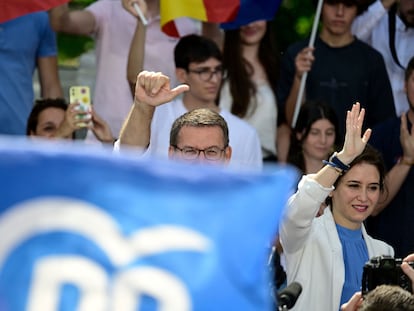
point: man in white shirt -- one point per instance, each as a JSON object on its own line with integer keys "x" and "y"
{"x": 374, "y": 27}
{"x": 198, "y": 64}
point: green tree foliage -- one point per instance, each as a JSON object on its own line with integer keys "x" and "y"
{"x": 293, "y": 21}
{"x": 72, "y": 46}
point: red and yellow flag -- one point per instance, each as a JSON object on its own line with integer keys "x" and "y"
{"x": 216, "y": 11}
{"x": 10, "y": 9}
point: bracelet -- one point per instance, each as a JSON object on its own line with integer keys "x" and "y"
{"x": 334, "y": 159}
{"x": 337, "y": 164}
{"x": 334, "y": 166}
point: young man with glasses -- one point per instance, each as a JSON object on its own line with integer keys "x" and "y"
{"x": 198, "y": 65}
{"x": 199, "y": 135}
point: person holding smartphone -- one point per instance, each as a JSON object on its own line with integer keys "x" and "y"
{"x": 54, "y": 118}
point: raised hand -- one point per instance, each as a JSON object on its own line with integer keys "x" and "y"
{"x": 153, "y": 89}
{"x": 354, "y": 143}
{"x": 407, "y": 269}
{"x": 303, "y": 61}
{"x": 353, "y": 303}
{"x": 75, "y": 119}
{"x": 129, "y": 6}
{"x": 407, "y": 141}
{"x": 101, "y": 129}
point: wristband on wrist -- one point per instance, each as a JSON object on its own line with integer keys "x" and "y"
{"x": 334, "y": 159}
{"x": 337, "y": 164}
{"x": 333, "y": 165}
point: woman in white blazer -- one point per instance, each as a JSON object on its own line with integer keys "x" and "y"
{"x": 326, "y": 254}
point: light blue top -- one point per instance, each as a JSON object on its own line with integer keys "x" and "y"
{"x": 355, "y": 254}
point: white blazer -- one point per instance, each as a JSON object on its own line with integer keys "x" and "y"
{"x": 313, "y": 250}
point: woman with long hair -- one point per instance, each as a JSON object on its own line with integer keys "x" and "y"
{"x": 326, "y": 254}
{"x": 251, "y": 65}
{"x": 314, "y": 137}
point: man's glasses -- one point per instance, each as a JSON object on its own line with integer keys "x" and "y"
{"x": 211, "y": 153}
{"x": 206, "y": 74}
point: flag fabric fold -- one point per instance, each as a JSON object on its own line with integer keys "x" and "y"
{"x": 107, "y": 232}
{"x": 253, "y": 10}
{"x": 230, "y": 13}
{"x": 216, "y": 11}
{"x": 10, "y": 9}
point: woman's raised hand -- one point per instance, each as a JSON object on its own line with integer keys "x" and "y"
{"x": 354, "y": 143}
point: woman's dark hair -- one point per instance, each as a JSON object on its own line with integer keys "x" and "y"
{"x": 238, "y": 70}
{"x": 309, "y": 113}
{"x": 372, "y": 156}
{"x": 39, "y": 106}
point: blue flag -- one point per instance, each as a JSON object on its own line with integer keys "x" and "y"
{"x": 82, "y": 231}
{"x": 253, "y": 10}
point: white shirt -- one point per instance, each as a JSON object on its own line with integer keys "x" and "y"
{"x": 261, "y": 114}
{"x": 244, "y": 140}
{"x": 372, "y": 27}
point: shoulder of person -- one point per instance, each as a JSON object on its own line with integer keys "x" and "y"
{"x": 367, "y": 49}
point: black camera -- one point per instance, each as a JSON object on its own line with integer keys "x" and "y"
{"x": 384, "y": 270}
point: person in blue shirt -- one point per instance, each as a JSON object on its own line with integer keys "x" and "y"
{"x": 26, "y": 43}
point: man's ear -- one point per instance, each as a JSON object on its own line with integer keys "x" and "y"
{"x": 171, "y": 150}
{"x": 181, "y": 75}
{"x": 227, "y": 154}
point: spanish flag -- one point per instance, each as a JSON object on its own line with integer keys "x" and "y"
{"x": 10, "y": 9}
{"x": 216, "y": 11}
{"x": 230, "y": 13}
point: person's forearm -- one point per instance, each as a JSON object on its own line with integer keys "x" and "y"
{"x": 136, "y": 55}
{"x": 364, "y": 24}
{"x": 393, "y": 181}
{"x": 56, "y": 16}
{"x": 328, "y": 175}
{"x": 50, "y": 86}
{"x": 136, "y": 130}
{"x": 79, "y": 22}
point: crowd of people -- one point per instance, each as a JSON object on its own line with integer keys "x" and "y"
{"x": 228, "y": 97}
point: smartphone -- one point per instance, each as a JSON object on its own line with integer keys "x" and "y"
{"x": 81, "y": 95}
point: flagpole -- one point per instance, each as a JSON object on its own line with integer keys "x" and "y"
{"x": 305, "y": 74}
{"x": 140, "y": 14}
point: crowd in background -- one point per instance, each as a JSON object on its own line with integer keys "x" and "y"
{"x": 352, "y": 139}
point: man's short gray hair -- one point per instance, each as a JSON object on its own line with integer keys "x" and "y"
{"x": 199, "y": 118}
